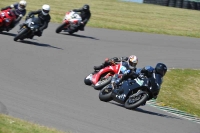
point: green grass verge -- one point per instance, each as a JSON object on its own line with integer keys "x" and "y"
{"x": 14, "y": 125}
{"x": 180, "y": 89}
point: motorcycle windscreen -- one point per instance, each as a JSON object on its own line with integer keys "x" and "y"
{"x": 36, "y": 21}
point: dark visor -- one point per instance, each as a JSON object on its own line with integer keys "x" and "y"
{"x": 46, "y": 11}
{"x": 22, "y": 6}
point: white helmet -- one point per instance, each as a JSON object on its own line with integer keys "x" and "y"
{"x": 45, "y": 9}
{"x": 132, "y": 61}
{"x": 22, "y": 5}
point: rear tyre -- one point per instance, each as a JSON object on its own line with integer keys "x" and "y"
{"x": 105, "y": 93}
{"x": 132, "y": 103}
{"x": 60, "y": 28}
{"x": 100, "y": 84}
{"x": 20, "y": 34}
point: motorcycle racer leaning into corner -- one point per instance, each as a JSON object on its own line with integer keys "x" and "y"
{"x": 19, "y": 10}
{"x": 43, "y": 15}
{"x": 128, "y": 64}
{"x": 85, "y": 15}
{"x": 147, "y": 71}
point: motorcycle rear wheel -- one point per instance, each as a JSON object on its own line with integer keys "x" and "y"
{"x": 133, "y": 105}
{"x": 20, "y": 34}
{"x": 60, "y": 28}
{"x": 105, "y": 94}
{"x": 100, "y": 84}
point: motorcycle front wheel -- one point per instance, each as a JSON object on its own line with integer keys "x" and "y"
{"x": 60, "y": 28}
{"x": 105, "y": 93}
{"x": 20, "y": 34}
{"x": 87, "y": 81}
{"x": 135, "y": 100}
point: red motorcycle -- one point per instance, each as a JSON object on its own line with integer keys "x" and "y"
{"x": 6, "y": 18}
{"x": 71, "y": 22}
{"x": 103, "y": 77}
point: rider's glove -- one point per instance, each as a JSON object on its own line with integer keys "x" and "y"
{"x": 82, "y": 23}
{"x": 12, "y": 6}
{"x": 30, "y": 16}
{"x": 115, "y": 82}
{"x": 127, "y": 72}
{"x": 106, "y": 59}
{"x": 141, "y": 76}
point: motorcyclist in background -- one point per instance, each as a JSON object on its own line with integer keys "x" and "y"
{"x": 43, "y": 15}
{"x": 85, "y": 15}
{"x": 19, "y": 10}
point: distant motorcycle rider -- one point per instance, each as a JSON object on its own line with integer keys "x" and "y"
{"x": 85, "y": 15}
{"x": 43, "y": 15}
{"x": 19, "y": 10}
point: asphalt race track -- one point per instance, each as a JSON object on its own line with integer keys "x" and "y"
{"x": 42, "y": 79}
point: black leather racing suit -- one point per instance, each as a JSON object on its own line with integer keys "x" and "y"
{"x": 45, "y": 19}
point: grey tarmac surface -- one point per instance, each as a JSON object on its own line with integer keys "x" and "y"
{"x": 42, "y": 79}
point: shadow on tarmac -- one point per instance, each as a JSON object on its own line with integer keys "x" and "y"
{"x": 38, "y": 44}
{"x": 8, "y": 33}
{"x": 81, "y": 36}
{"x": 146, "y": 112}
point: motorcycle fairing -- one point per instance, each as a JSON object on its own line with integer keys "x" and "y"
{"x": 113, "y": 69}
{"x": 6, "y": 17}
{"x": 120, "y": 94}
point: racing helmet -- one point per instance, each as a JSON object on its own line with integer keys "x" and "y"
{"x": 45, "y": 9}
{"x": 132, "y": 61}
{"x": 161, "y": 69}
{"x": 22, "y": 5}
{"x": 86, "y": 8}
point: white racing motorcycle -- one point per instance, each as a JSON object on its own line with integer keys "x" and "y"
{"x": 71, "y": 23}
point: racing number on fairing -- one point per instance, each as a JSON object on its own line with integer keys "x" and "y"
{"x": 122, "y": 96}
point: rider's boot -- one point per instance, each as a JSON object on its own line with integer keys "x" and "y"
{"x": 31, "y": 37}
{"x": 98, "y": 67}
{"x": 81, "y": 29}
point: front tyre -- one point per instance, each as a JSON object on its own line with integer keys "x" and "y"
{"x": 61, "y": 27}
{"x": 105, "y": 93}
{"x": 20, "y": 34}
{"x": 135, "y": 100}
{"x": 100, "y": 84}
{"x": 87, "y": 79}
